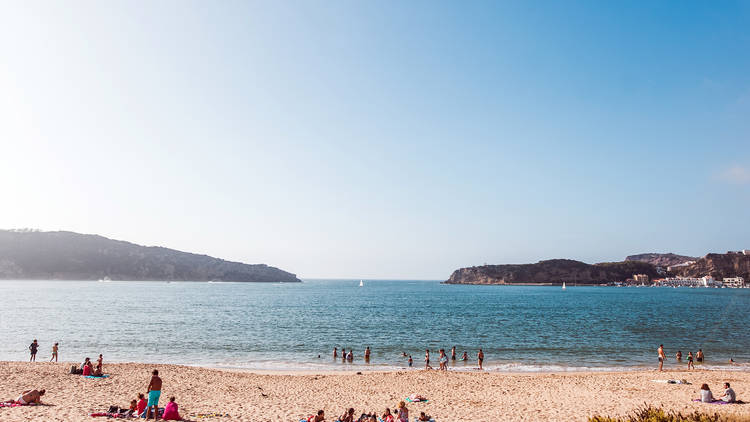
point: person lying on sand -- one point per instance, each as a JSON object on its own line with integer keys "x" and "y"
{"x": 29, "y": 397}
{"x": 320, "y": 417}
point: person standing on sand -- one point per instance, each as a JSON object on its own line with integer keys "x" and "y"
{"x": 33, "y": 348}
{"x": 662, "y": 356}
{"x": 427, "y": 359}
{"x": 54, "y": 353}
{"x": 154, "y": 392}
{"x": 480, "y": 358}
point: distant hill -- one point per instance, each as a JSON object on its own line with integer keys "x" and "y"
{"x": 661, "y": 259}
{"x": 64, "y": 255}
{"x": 553, "y": 271}
{"x": 718, "y": 266}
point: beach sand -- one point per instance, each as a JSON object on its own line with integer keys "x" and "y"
{"x": 453, "y": 396}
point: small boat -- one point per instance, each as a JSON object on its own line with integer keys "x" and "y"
{"x": 563, "y": 285}
{"x": 361, "y": 284}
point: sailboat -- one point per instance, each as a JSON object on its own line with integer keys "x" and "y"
{"x": 361, "y": 284}
{"x": 563, "y": 285}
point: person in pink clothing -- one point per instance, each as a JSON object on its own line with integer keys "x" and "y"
{"x": 170, "y": 411}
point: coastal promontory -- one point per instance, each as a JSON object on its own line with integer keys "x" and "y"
{"x": 553, "y": 271}
{"x": 61, "y": 255}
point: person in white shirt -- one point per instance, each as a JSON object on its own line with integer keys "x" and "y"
{"x": 729, "y": 395}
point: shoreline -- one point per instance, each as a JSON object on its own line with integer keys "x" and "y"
{"x": 248, "y": 395}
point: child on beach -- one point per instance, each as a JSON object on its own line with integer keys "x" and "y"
{"x": 54, "y": 353}
{"x": 387, "y": 416}
{"x": 348, "y": 415}
{"x": 133, "y": 405}
{"x": 170, "y": 411}
{"x": 402, "y": 412}
{"x": 141, "y": 404}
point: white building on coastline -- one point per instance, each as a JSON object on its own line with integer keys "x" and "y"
{"x": 706, "y": 281}
{"x": 734, "y": 282}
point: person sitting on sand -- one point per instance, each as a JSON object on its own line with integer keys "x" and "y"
{"x": 170, "y": 411}
{"x": 141, "y": 404}
{"x": 690, "y": 361}
{"x": 98, "y": 371}
{"x": 348, "y": 415}
{"x": 706, "y": 396}
{"x": 402, "y": 412}
{"x": 321, "y": 416}
{"x": 133, "y": 405}
{"x": 423, "y": 417}
{"x": 30, "y": 397}
{"x": 387, "y": 416}
{"x": 87, "y": 368}
{"x": 729, "y": 395}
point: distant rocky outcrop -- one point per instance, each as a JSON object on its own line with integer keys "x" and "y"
{"x": 553, "y": 271}
{"x": 718, "y": 266}
{"x": 72, "y": 256}
{"x": 661, "y": 259}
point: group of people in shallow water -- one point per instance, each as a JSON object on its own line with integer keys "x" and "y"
{"x": 401, "y": 414}
{"x": 699, "y": 357}
{"x": 442, "y": 359}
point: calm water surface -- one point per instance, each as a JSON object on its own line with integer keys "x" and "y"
{"x": 286, "y": 326}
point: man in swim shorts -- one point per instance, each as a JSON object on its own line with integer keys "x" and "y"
{"x": 480, "y": 358}
{"x": 154, "y": 392}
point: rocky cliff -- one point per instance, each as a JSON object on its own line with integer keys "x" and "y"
{"x": 718, "y": 266}
{"x": 73, "y": 256}
{"x": 554, "y": 271}
{"x": 663, "y": 260}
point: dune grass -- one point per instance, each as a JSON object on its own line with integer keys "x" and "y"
{"x": 651, "y": 414}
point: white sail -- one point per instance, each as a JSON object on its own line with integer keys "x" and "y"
{"x": 563, "y": 285}
{"x": 361, "y": 283}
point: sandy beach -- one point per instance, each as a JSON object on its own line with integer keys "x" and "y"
{"x": 453, "y": 396}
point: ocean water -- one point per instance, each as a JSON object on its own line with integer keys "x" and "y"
{"x": 286, "y": 326}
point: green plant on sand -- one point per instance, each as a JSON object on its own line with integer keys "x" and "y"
{"x": 651, "y": 414}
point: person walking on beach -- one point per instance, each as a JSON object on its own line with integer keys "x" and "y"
{"x": 33, "y": 348}
{"x": 662, "y": 356}
{"x": 480, "y": 358}
{"x": 427, "y": 359}
{"x": 54, "y": 353}
{"x": 154, "y": 392}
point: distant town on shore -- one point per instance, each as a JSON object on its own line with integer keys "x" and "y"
{"x": 728, "y": 270}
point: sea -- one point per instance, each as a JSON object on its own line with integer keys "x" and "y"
{"x": 295, "y": 326}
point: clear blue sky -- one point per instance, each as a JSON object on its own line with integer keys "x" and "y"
{"x": 380, "y": 139}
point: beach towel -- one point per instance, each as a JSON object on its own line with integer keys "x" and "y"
{"x": 6, "y": 404}
{"x": 672, "y": 382}
{"x": 417, "y": 420}
{"x": 95, "y": 377}
{"x": 714, "y": 402}
{"x": 212, "y": 415}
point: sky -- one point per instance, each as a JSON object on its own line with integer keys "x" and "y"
{"x": 380, "y": 139}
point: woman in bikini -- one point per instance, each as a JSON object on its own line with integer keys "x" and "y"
{"x": 427, "y": 359}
